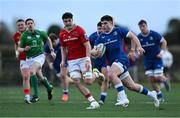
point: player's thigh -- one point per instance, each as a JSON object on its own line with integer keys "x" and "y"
{"x": 24, "y": 67}
{"x": 116, "y": 69}
{"x": 87, "y": 74}
{"x": 40, "y": 59}
{"x": 74, "y": 69}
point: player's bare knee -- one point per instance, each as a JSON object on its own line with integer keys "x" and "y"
{"x": 112, "y": 76}
{"x": 88, "y": 81}
{"x": 76, "y": 81}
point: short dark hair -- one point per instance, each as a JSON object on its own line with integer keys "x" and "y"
{"x": 67, "y": 15}
{"x": 19, "y": 20}
{"x": 53, "y": 36}
{"x": 142, "y": 22}
{"x": 99, "y": 24}
{"x": 28, "y": 19}
{"x": 107, "y": 18}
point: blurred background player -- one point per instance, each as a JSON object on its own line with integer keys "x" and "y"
{"x": 21, "y": 27}
{"x": 61, "y": 73}
{"x": 154, "y": 45}
{"x": 99, "y": 65}
{"x": 31, "y": 42}
{"x": 76, "y": 48}
{"x": 112, "y": 38}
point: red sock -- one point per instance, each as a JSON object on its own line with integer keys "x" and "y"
{"x": 88, "y": 95}
{"x": 26, "y": 91}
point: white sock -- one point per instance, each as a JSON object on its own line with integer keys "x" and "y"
{"x": 27, "y": 97}
{"x": 150, "y": 94}
{"x": 90, "y": 99}
{"x": 104, "y": 93}
{"x": 122, "y": 95}
{"x": 66, "y": 90}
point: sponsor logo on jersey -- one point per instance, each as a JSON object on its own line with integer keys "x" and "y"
{"x": 28, "y": 37}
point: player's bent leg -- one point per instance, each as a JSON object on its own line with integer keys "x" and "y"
{"x": 76, "y": 75}
{"x": 46, "y": 84}
{"x": 26, "y": 85}
{"x": 34, "y": 81}
{"x": 129, "y": 83}
{"x": 155, "y": 87}
{"x": 104, "y": 86}
{"x": 65, "y": 83}
{"x": 122, "y": 98}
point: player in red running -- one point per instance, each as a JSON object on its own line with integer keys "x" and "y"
{"x": 21, "y": 27}
{"x": 76, "y": 48}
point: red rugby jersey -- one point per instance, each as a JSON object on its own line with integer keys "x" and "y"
{"x": 73, "y": 40}
{"x": 16, "y": 38}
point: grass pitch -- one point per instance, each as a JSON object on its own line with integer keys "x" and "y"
{"x": 12, "y": 105}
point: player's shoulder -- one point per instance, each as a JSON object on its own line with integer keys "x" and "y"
{"x": 94, "y": 34}
{"x": 79, "y": 29}
{"x": 25, "y": 33}
{"x": 153, "y": 32}
{"x": 16, "y": 34}
{"x": 119, "y": 28}
{"x": 40, "y": 31}
{"x": 62, "y": 31}
{"x": 139, "y": 35}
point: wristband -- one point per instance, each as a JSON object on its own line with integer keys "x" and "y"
{"x": 52, "y": 50}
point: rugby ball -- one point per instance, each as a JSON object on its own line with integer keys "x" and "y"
{"x": 101, "y": 47}
{"x": 167, "y": 59}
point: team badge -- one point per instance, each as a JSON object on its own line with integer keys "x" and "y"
{"x": 37, "y": 36}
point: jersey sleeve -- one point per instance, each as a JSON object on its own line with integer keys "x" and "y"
{"x": 44, "y": 35}
{"x": 46, "y": 49}
{"x": 123, "y": 32}
{"x": 21, "y": 42}
{"x": 159, "y": 37}
{"x": 82, "y": 35}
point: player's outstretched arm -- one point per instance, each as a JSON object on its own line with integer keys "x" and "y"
{"x": 136, "y": 42}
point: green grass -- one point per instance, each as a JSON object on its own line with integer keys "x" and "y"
{"x": 12, "y": 105}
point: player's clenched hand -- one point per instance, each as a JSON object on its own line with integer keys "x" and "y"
{"x": 160, "y": 54}
{"x": 53, "y": 55}
{"x": 27, "y": 48}
{"x": 88, "y": 65}
{"x": 132, "y": 56}
{"x": 140, "y": 50}
{"x": 94, "y": 52}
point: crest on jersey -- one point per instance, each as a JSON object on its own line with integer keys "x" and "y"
{"x": 75, "y": 33}
{"x": 114, "y": 33}
{"x": 37, "y": 36}
{"x": 151, "y": 38}
{"x": 103, "y": 37}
